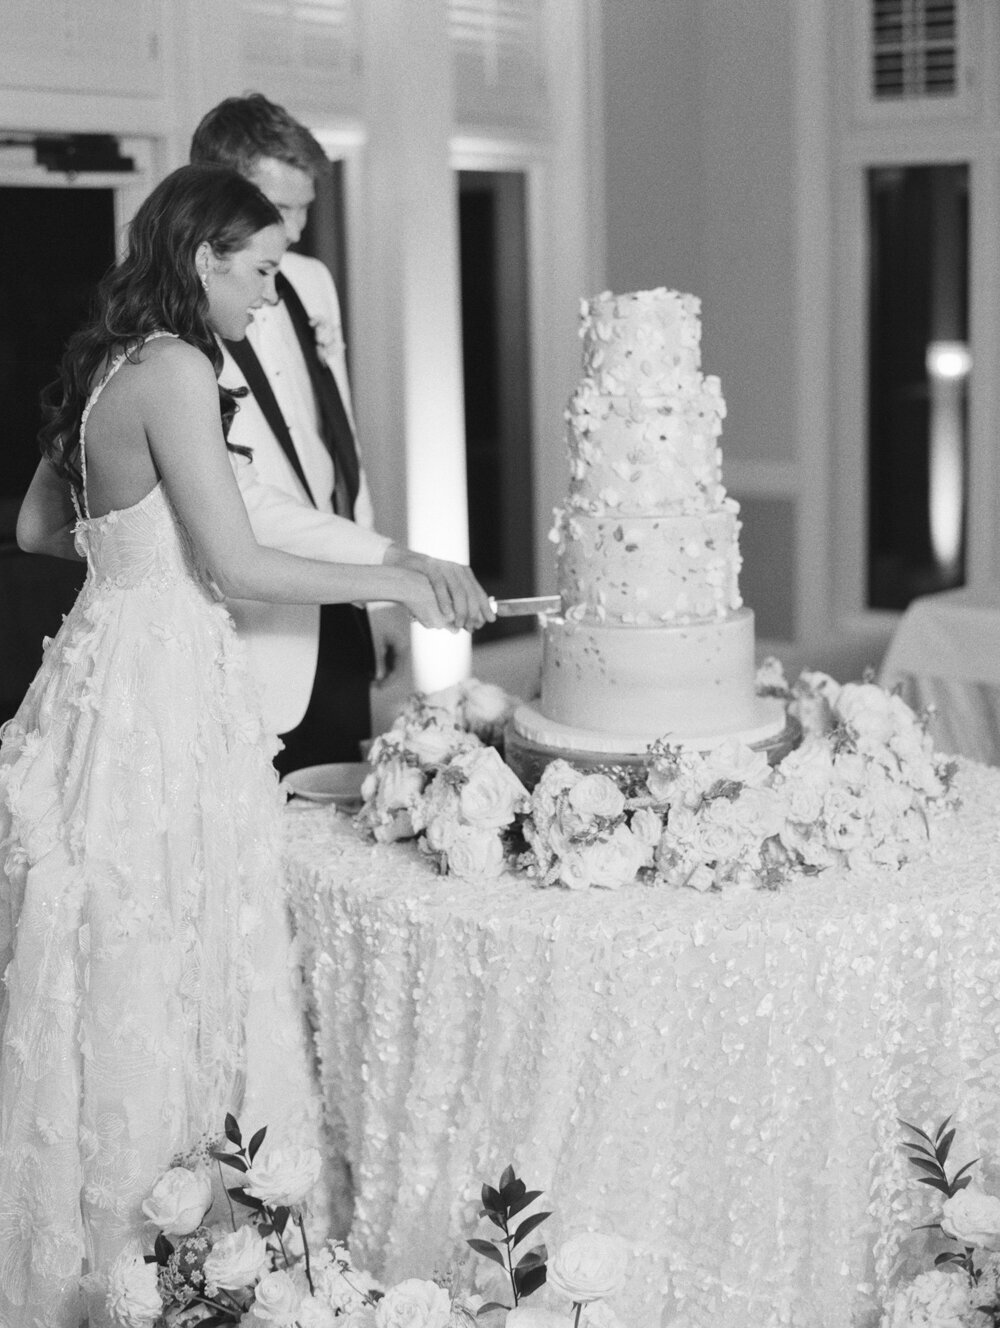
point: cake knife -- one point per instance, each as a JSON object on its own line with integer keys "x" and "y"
{"x": 526, "y": 606}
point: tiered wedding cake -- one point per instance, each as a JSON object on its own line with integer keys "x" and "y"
{"x": 653, "y": 640}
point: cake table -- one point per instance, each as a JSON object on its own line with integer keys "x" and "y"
{"x": 717, "y": 1078}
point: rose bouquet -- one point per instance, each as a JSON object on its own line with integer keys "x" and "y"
{"x": 581, "y": 831}
{"x": 428, "y": 733}
{"x": 857, "y": 791}
{"x": 466, "y": 812}
{"x": 250, "y": 1266}
{"x": 721, "y": 819}
{"x": 962, "y": 1290}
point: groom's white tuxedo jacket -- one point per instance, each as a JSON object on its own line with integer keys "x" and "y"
{"x": 282, "y": 639}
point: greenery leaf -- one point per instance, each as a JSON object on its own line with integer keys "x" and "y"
{"x": 162, "y": 1249}
{"x": 490, "y": 1306}
{"x": 928, "y": 1164}
{"x": 534, "y": 1258}
{"x": 961, "y": 1172}
{"x": 528, "y": 1197}
{"x": 917, "y": 1130}
{"x": 949, "y": 1256}
{"x": 264, "y": 1229}
{"x": 233, "y": 1130}
{"x": 487, "y": 1248}
{"x": 256, "y": 1142}
{"x": 491, "y": 1199}
{"x": 507, "y": 1178}
{"x": 496, "y": 1218}
{"x": 280, "y": 1219}
{"x": 934, "y": 1184}
{"x": 238, "y": 1193}
{"x": 941, "y": 1151}
{"x": 529, "y": 1281}
{"x": 528, "y": 1226}
{"x": 230, "y": 1160}
{"x": 960, "y": 1184}
{"x": 942, "y": 1127}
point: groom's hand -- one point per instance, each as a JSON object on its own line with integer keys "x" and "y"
{"x": 461, "y": 599}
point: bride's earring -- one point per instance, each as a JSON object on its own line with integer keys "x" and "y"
{"x": 203, "y": 276}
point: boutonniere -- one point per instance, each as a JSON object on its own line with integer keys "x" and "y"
{"x": 327, "y": 334}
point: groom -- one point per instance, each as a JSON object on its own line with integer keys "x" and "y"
{"x": 316, "y": 665}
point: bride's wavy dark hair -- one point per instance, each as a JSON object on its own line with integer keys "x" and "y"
{"x": 155, "y": 287}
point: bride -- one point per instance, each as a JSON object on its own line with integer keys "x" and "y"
{"x": 140, "y": 887}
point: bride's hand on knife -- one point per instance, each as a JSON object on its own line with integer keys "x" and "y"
{"x": 461, "y": 600}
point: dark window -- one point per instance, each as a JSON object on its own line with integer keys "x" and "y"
{"x": 918, "y": 365}
{"x": 57, "y": 244}
{"x": 496, "y": 365}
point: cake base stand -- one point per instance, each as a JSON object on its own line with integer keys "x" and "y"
{"x": 528, "y": 758}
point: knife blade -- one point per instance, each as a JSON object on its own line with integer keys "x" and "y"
{"x": 526, "y": 606}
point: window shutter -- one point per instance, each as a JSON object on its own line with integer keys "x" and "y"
{"x": 914, "y": 49}
{"x": 498, "y": 60}
{"x": 303, "y": 52}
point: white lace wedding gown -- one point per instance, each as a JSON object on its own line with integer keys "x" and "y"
{"x": 150, "y": 982}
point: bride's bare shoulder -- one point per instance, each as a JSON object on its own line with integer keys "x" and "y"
{"x": 169, "y": 362}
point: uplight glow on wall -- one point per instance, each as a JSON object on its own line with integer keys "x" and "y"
{"x": 948, "y": 366}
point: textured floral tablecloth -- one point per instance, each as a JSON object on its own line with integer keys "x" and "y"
{"x": 715, "y": 1077}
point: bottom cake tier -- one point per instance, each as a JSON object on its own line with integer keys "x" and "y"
{"x": 617, "y": 688}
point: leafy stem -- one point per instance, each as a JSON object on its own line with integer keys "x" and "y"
{"x": 501, "y": 1204}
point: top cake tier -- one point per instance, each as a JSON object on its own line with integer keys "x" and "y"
{"x": 644, "y": 343}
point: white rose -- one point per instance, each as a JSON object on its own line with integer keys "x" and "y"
{"x": 647, "y": 826}
{"x": 530, "y": 1316}
{"x": 414, "y": 1304}
{"x": 281, "y": 1177}
{"x": 868, "y": 710}
{"x": 935, "y": 1299}
{"x": 806, "y": 774}
{"x": 718, "y": 834}
{"x": 588, "y": 1267}
{"x": 733, "y": 762}
{"x": 439, "y": 833}
{"x": 179, "y": 1200}
{"x": 972, "y": 1217}
{"x": 313, "y": 1313}
{"x": 615, "y": 861}
{"x": 485, "y": 703}
{"x": 493, "y": 794}
{"x": 757, "y": 814}
{"x": 432, "y": 745}
{"x": 133, "y": 1296}
{"x": 237, "y": 1260}
{"x": 400, "y": 784}
{"x": 277, "y": 1298}
{"x": 597, "y": 795}
{"x": 474, "y": 851}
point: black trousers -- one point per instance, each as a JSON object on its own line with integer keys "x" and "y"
{"x": 339, "y": 712}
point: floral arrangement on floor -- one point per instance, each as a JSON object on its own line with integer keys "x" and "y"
{"x": 962, "y": 1289}
{"x": 253, "y": 1266}
{"x": 438, "y": 775}
{"x": 858, "y": 790}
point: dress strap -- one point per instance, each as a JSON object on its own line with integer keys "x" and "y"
{"x": 109, "y": 373}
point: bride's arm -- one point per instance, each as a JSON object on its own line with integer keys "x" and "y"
{"x": 178, "y": 399}
{"x": 46, "y": 519}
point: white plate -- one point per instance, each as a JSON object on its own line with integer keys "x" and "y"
{"x": 339, "y": 783}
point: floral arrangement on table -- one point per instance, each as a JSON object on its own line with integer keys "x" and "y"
{"x": 438, "y": 775}
{"x": 962, "y": 1289}
{"x": 857, "y": 790}
{"x": 254, "y": 1267}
